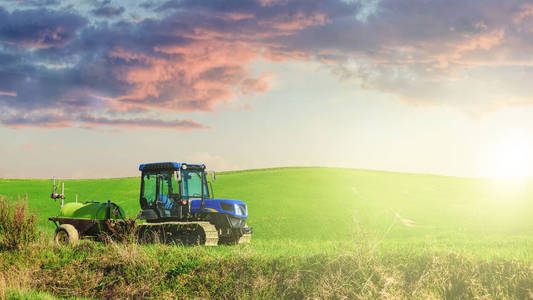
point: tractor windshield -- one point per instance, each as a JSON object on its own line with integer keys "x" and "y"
{"x": 192, "y": 184}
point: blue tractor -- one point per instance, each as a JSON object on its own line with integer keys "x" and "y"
{"x": 178, "y": 205}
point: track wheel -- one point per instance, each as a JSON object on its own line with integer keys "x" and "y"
{"x": 196, "y": 237}
{"x": 66, "y": 234}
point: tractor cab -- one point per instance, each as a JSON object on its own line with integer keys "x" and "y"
{"x": 167, "y": 189}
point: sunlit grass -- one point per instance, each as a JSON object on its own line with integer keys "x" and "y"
{"x": 281, "y": 270}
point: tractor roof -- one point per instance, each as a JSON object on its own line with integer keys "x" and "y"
{"x": 167, "y": 166}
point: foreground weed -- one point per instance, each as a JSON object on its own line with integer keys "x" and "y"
{"x": 17, "y": 224}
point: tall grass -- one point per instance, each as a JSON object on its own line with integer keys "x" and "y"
{"x": 17, "y": 224}
{"x": 352, "y": 270}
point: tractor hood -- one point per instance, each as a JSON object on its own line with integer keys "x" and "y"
{"x": 235, "y": 208}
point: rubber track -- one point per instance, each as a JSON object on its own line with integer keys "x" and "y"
{"x": 211, "y": 233}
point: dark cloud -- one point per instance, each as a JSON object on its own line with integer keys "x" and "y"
{"x": 38, "y": 28}
{"x": 108, "y": 11}
{"x": 49, "y": 120}
{"x": 37, "y": 3}
{"x": 105, "y": 9}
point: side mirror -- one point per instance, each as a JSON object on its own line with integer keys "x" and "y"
{"x": 213, "y": 176}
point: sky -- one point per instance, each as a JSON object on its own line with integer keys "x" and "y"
{"x": 92, "y": 90}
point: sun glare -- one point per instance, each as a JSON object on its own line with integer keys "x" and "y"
{"x": 509, "y": 158}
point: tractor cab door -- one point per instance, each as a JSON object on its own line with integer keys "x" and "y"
{"x": 161, "y": 197}
{"x": 148, "y": 190}
{"x": 164, "y": 202}
{"x": 155, "y": 193}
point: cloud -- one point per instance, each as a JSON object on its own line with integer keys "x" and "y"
{"x": 38, "y": 3}
{"x": 525, "y": 13}
{"x": 54, "y": 120}
{"x": 92, "y": 121}
{"x": 10, "y": 94}
{"x": 108, "y": 11}
{"x": 426, "y": 52}
{"x": 257, "y": 85}
{"x": 196, "y": 56}
{"x": 46, "y": 120}
{"x": 104, "y": 9}
{"x": 38, "y": 28}
{"x": 194, "y": 59}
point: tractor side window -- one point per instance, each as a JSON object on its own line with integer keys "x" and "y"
{"x": 150, "y": 184}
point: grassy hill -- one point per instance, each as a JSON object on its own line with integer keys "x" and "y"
{"x": 331, "y": 204}
{"x": 318, "y": 232}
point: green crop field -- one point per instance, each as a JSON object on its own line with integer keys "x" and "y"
{"x": 314, "y": 205}
{"x": 312, "y": 212}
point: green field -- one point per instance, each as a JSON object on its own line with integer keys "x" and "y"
{"x": 330, "y": 212}
{"x": 312, "y": 205}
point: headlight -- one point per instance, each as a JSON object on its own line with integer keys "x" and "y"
{"x": 237, "y": 209}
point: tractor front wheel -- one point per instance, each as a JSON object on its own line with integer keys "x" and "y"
{"x": 66, "y": 235}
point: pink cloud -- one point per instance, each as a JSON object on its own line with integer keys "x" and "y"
{"x": 288, "y": 23}
{"x": 256, "y": 85}
{"x": 456, "y": 51}
{"x": 204, "y": 73}
{"x": 47, "y": 125}
{"x": 208, "y": 69}
{"x": 526, "y": 12}
{"x": 11, "y": 94}
{"x": 236, "y": 16}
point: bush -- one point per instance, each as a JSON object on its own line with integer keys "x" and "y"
{"x": 18, "y": 225}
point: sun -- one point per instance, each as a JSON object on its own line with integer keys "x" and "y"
{"x": 509, "y": 157}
